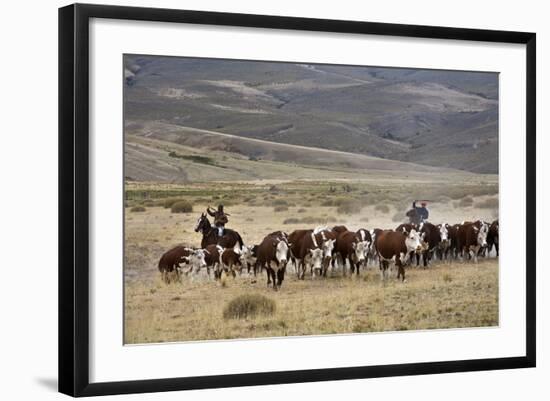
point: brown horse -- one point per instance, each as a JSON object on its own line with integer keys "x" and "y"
{"x": 210, "y": 236}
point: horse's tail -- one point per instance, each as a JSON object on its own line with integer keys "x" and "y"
{"x": 240, "y": 240}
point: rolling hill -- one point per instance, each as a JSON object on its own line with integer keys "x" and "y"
{"x": 161, "y": 152}
{"x": 434, "y": 118}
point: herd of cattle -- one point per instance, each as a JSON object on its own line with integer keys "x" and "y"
{"x": 320, "y": 249}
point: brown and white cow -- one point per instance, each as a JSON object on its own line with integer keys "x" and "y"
{"x": 339, "y": 229}
{"x": 212, "y": 259}
{"x": 431, "y": 238}
{"x": 230, "y": 260}
{"x": 295, "y": 240}
{"x": 406, "y": 227}
{"x": 396, "y": 247}
{"x": 445, "y": 244}
{"x": 273, "y": 255}
{"x": 453, "y": 241}
{"x": 366, "y": 237}
{"x": 328, "y": 238}
{"x": 170, "y": 261}
{"x": 471, "y": 238}
{"x": 311, "y": 254}
{"x": 492, "y": 237}
{"x": 349, "y": 247}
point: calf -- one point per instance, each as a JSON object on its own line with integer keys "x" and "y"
{"x": 249, "y": 256}
{"x": 212, "y": 259}
{"x": 471, "y": 238}
{"x": 350, "y": 247}
{"x": 170, "y": 261}
{"x": 230, "y": 260}
{"x": 273, "y": 255}
{"x": 395, "y": 247}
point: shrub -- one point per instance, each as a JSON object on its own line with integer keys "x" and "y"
{"x": 364, "y": 219}
{"x": 148, "y": 202}
{"x": 280, "y": 209}
{"x": 301, "y": 210}
{"x": 349, "y": 206}
{"x": 137, "y": 209}
{"x": 291, "y": 220}
{"x": 328, "y": 202}
{"x": 182, "y": 207}
{"x": 280, "y": 202}
{"x": 466, "y": 201}
{"x": 169, "y": 202}
{"x": 491, "y": 203}
{"x": 382, "y": 208}
{"x": 249, "y": 305}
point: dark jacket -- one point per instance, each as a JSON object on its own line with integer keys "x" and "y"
{"x": 220, "y": 217}
{"x": 422, "y": 211}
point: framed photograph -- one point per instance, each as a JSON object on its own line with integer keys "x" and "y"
{"x": 251, "y": 199}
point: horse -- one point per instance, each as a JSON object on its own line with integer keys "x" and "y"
{"x": 414, "y": 217}
{"x": 229, "y": 239}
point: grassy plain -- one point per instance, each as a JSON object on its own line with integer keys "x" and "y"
{"x": 443, "y": 296}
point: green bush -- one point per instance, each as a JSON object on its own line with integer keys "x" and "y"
{"x": 249, "y": 305}
{"x": 137, "y": 209}
{"x": 182, "y": 207}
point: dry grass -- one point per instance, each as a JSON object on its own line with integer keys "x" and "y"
{"x": 453, "y": 295}
{"x": 489, "y": 203}
{"x": 382, "y": 208}
{"x": 465, "y": 202}
{"x": 443, "y": 296}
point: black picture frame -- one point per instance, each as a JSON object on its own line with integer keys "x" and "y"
{"x": 74, "y": 199}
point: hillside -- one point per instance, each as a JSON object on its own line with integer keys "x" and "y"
{"x": 169, "y": 153}
{"x": 435, "y": 118}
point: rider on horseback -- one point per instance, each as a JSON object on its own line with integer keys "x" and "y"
{"x": 220, "y": 218}
{"x": 422, "y": 211}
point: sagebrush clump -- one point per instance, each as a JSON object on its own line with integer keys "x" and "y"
{"x": 182, "y": 207}
{"x": 249, "y": 305}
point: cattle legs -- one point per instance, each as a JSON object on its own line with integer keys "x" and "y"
{"x": 400, "y": 270}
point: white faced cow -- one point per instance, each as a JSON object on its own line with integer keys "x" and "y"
{"x": 273, "y": 255}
